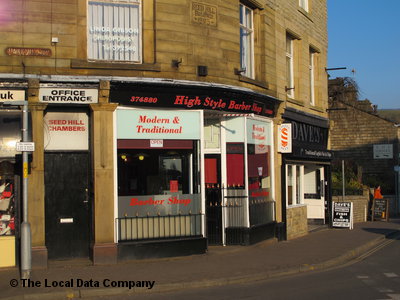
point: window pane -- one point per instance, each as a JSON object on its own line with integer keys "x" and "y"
{"x": 153, "y": 172}
{"x": 114, "y": 31}
{"x": 249, "y": 18}
{"x": 298, "y": 185}
{"x": 289, "y": 182}
{"x": 288, "y": 72}
{"x": 246, "y": 40}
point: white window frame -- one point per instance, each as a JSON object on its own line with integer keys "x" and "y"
{"x": 312, "y": 76}
{"x": 296, "y": 188}
{"x": 121, "y": 42}
{"x": 304, "y": 4}
{"x": 290, "y": 67}
{"x": 246, "y": 41}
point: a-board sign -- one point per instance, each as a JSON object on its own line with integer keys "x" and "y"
{"x": 380, "y": 209}
{"x": 342, "y": 215}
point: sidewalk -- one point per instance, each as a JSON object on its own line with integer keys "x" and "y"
{"x": 221, "y": 265}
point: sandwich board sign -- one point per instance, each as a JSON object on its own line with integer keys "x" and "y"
{"x": 342, "y": 215}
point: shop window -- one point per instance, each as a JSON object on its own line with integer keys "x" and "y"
{"x": 211, "y": 170}
{"x": 212, "y": 133}
{"x": 294, "y": 184}
{"x": 258, "y": 168}
{"x": 7, "y": 199}
{"x": 154, "y": 172}
{"x": 261, "y": 205}
{"x": 114, "y": 30}
{"x": 235, "y": 164}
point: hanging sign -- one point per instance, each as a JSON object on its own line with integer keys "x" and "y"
{"x": 342, "y": 215}
{"x": 285, "y": 138}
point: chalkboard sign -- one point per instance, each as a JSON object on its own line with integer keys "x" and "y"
{"x": 342, "y": 215}
{"x": 380, "y": 209}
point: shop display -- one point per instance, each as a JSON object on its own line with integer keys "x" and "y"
{"x": 7, "y": 225}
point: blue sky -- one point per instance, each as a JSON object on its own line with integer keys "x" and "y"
{"x": 364, "y": 35}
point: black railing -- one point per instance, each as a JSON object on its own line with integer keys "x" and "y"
{"x": 235, "y": 210}
{"x": 159, "y": 227}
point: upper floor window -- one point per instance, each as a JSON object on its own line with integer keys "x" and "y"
{"x": 311, "y": 68}
{"x": 246, "y": 41}
{"x": 289, "y": 66}
{"x": 114, "y": 30}
{"x": 304, "y": 4}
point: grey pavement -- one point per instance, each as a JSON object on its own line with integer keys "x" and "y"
{"x": 219, "y": 266}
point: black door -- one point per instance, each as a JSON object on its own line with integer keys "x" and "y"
{"x": 67, "y": 204}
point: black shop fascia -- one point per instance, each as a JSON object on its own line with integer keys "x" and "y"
{"x": 309, "y": 136}
{"x": 177, "y": 95}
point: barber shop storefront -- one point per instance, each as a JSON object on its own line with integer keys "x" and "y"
{"x": 305, "y": 170}
{"x": 194, "y": 168}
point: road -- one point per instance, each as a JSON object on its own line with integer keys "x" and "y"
{"x": 376, "y": 275}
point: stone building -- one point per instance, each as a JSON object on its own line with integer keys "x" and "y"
{"x": 157, "y": 124}
{"x": 366, "y": 141}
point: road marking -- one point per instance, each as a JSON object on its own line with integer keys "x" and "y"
{"x": 394, "y": 296}
{"x": 391, "y": 275}
{"x": 385, "y": 290}
{"x": 362, "y": 277}
{"x": 369, "y": 282}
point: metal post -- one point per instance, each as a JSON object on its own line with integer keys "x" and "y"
{"x": 25, "y": 227}
{"x": 343, "y": 181}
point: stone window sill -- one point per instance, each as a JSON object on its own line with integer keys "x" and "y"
{"x": 84, "y": 64}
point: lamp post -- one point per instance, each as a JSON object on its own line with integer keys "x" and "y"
{"x": 24, "y": 147}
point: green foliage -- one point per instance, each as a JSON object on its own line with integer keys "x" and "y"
{"x": 352, "y": 181}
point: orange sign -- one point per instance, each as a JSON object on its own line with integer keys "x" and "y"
{"x": 285, "y": 138}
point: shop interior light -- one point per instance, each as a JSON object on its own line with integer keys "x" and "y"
{"x": 141, "y": 156}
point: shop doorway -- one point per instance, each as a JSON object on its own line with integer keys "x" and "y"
{"x": 314, "y": 192}
{"x": 212, "y": 164}
{"x": 67, "y": 204}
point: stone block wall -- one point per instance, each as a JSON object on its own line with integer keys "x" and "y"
{"x": 296, "y": 218}
{"x": 360, "y": 206}
{"x": 353, "y": 134}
